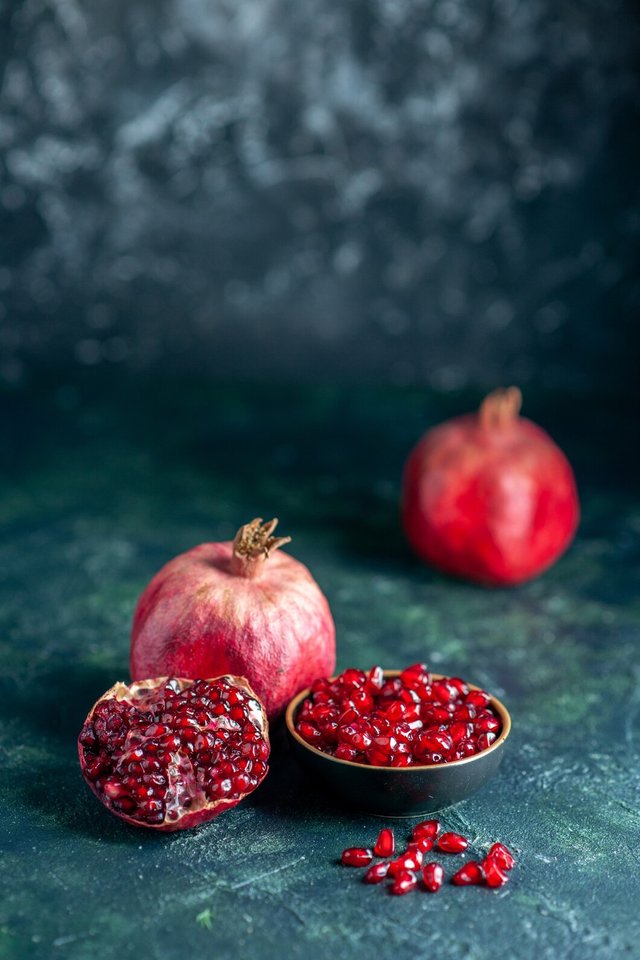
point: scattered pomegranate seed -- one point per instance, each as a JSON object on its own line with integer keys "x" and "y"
{"x": 432, "y": 875}
{"x": 376, "y": 873}
{"x": 423, "y": 844}
{"x": 405, "y": 870}
{"x": 357, "y": 857}
{"x": 427, "y": 828}
{"x": 385, "y": 844}
{"x": 494, "y": 876}
{"x": 403, "y": 883}
{"x": 471, "y": 873}
{"x": 452, "y": 843}
{"x": 410, "y": 860}
{"x": 502, "y": 856}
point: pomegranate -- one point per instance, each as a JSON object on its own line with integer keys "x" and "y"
{"x": 489, "y": 496}
{"x": 170, "y": 753}
{"x": 412, "y": 719}
{"x": 241, "y": 607}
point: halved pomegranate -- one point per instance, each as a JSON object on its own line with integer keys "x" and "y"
{"x": 171, "y": 753}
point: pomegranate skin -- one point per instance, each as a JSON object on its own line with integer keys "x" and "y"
{"x": 489, "y": 497}
{"x": 207, "y": 612}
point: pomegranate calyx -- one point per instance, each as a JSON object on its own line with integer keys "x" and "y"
{"x": 252, "y": 545}
{"x": 500, "y": 408}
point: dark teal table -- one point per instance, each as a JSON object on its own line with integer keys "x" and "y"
{"x": 103, "y": 482}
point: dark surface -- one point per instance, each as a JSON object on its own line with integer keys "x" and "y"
{"x": 425, "y": 191}
{"x": 100, "y": 488}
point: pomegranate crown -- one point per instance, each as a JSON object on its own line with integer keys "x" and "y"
{"x": 500, "y": 407}
{"x": 253, "y": 544}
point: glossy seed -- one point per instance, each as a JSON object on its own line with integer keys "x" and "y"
{"x": 385, "y": 844}
{"x": 376, "y": 873}
{"x": 426, "y": 828}
{"x": 452, "y": 843}
{"x": 502, "y": 856}
{"x": 432, "y": 876}
{"x": 356, "y": 857}
{"x": 494, "y": 876}
{"x": 471, "y": 873}
{"x": 403, "y": 883}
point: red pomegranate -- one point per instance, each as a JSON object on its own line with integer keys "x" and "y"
{"x": 242, "y": 607}
{"x": 489, "y": 496}
{"x": 171, "y": 753}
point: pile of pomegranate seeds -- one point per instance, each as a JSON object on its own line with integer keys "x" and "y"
{"x": 408, "y": 868}
{"x": 160, "y": 752}
{"x": 408, "y": 720}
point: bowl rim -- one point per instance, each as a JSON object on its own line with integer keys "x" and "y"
{"x": 496, "y": 704}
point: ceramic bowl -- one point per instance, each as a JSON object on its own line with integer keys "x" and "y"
{"x": 400, "y": 791}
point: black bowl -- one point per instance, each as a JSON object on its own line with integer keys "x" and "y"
{"x": 400, "y": 791}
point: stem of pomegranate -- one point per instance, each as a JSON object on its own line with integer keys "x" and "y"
{"x": 252, "y": 545}
{"x": 500, "y": 408}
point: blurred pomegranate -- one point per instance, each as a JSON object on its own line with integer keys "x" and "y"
{"x": 489, "y": 496}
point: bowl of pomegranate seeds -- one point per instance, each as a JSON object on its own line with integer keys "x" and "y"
{"x": 398, "y": 742}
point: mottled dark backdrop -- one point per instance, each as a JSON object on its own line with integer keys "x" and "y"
{"x": 418, "y": 191}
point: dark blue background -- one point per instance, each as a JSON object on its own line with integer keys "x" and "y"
{"x": 427, "y": 191}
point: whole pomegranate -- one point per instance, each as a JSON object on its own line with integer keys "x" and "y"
{"x": 241, "y": 607}
{"x": 171, "y": 753}
{"x": 489, "y": 496}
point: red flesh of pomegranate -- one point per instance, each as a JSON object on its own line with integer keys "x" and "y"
{"x": 171, "y": 753}
{"x": 489, "y": 496}
{"x": 241, "y": 607}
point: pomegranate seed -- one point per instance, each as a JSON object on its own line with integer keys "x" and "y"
{"x": 471, "y": 873}
{"x": 485, "y": 740}
{"x": 502, "y": 856}
{"x": 444, "y": 691}
{"x": 376, "y": 873}
{"x": 423, "y": 844}
{"x": 385, "y": 844}
{"x": 460, "y": 686}
{"x": 434, "y": 715}
{"x": 460, "y": 731}
{"x": 403, "y": 883}
{"x": 466, "y": 748}
{"x": 426, "y": 828}
{"x": 409, "y": 860}
{"x": 356, "y": 857}
{"x": 309, "y": 732}
{"x": 375, "y": 679}
{"x": 432, "y": 876}
{"x": 452, "y": 843}
{"x": 488, "y": 724}
{"x": 494, "y": 875}
{"x": 478, "y": 698}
